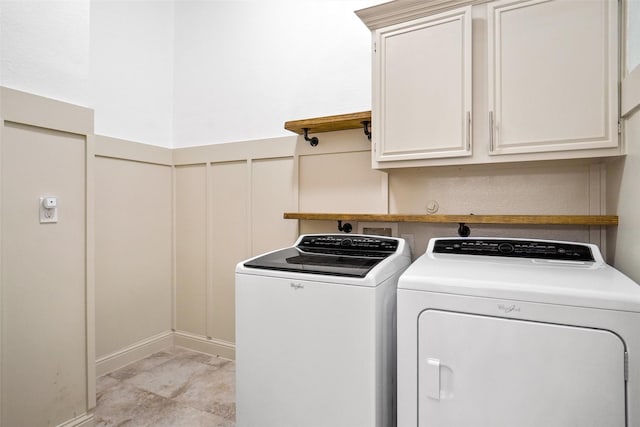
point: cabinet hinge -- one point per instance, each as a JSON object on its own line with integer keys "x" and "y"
{"x": 619, "y": 126}
{"x": 375, "y": 47}
{"x": 626, "y": 366}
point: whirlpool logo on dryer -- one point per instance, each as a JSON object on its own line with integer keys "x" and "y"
{"x": 508, "y": 308}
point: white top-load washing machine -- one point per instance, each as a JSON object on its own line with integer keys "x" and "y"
{"x": 510, "y": 332}
{"x": 315, "y": 336}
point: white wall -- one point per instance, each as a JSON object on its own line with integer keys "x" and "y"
{"x": 132, "y": 70}
{"x": 243, "y": 68}
{"x": 177, "y": 73}
{"x": 44, "y": 48}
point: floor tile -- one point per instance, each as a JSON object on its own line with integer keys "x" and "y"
{"x": 141, "y": 365}
{"x": 169, "y": 378}
{"x": 175, "y": 414}
{"x": 125, "y": 405}
{"x": 213, "y": 391}
{"x": 173, "y": 388}
{"x": 104, "y": 382}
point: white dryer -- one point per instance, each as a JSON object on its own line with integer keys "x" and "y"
{"x": 315, "y": 336}
{"x": 511, "y": 332}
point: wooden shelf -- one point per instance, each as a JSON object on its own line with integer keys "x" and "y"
{"x": 603, "y": 220}
{"x": 329, "y": 123}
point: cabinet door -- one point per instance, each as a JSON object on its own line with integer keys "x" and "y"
{"x": 422, "y": 88}
{"x": 552, "y": 75}
{"x": 487, "y": 371}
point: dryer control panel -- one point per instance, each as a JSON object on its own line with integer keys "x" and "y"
{"x": 515, "y": 248}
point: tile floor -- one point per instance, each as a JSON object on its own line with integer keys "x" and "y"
{"x": 173, "y": 388}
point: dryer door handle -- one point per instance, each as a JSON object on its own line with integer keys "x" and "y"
{"x": 432, "y": 378}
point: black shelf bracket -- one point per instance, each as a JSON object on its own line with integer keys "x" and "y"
{"x": 346, "y": 227}
{"x": 313, "y": 141}
{"x": 463, "y": 230}
{"x": 367, "y": 130}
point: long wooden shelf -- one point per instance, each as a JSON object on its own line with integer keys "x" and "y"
{"x": 329, "y": 123}
{"x": 603, "y": 220}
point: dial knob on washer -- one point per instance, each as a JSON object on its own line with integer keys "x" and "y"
{"x": 505, "y": 248}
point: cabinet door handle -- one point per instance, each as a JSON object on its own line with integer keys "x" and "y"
{"x": 468, "y": 130}
{"x": 491, "y": 131}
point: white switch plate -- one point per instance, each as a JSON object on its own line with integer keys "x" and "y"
{"x": 47, "y": 215}
{"x": 378, "y": 228}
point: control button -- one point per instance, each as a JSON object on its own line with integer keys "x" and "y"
{"x": 506, "y": 248}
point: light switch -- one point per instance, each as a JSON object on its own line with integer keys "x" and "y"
{"x": 48, "y": 209}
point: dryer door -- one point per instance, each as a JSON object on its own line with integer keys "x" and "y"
{"x": 486, "y": 371}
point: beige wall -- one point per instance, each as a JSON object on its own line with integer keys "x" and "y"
{"x": 226, "y": 207}
{"x": 624, "y": 175}
{"x": 229, "y": 206}
{"x": 191, "y": 249}
{"x": 47, "y": 329}
{"x": 273, "y": 188}
{"x": 624, "y": 200}
{"x": 134, "y": 245}
{"x": 336, "y": 177}
{"x": 549, "y": 188}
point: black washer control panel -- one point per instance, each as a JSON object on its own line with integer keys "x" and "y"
{"x": 339, "y": 244}
{"x": 515, "y": 249}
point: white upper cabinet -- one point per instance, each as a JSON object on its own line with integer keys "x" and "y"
{"x": 553, "y": 73}
{"x": 488, "y": 82}
{"x": 422, "y": 100}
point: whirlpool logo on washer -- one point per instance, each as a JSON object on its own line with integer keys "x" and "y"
{"x": 297, "y": 286}
{"x": 508, "y": 308}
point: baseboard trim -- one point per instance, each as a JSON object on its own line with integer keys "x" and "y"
{"x": 145, "y": 348}
{"x": 133, "y": 353}
{"x": 84, "y": 420}
{"x": 214, "y": 347}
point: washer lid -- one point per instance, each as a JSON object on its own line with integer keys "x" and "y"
{"x": 293, "y": 259}
{"x": 330, "y": 254}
